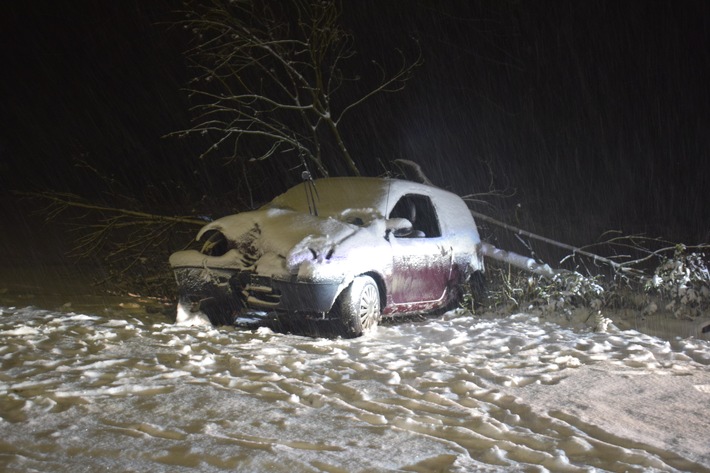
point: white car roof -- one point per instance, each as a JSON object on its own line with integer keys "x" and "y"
{"x": 333, "y": 195}
{"x": 336, "y": 194}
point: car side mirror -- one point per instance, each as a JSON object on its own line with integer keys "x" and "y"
{"x": 398, "y": 226}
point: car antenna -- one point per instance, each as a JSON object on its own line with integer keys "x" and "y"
{"x": 311, "y": 192}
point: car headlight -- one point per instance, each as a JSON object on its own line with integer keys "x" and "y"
{"x": 312, "y": 249}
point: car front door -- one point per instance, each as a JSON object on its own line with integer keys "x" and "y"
{"x": 422, "y": 258}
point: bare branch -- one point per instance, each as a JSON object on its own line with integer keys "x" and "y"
{"x": 395, "y": 83}
{"x": 272, "y": 71}
{"x": 62, "y": 201}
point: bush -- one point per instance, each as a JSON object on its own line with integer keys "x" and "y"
{"x": 682, "y": 283}
{"x": 679, "y": 287}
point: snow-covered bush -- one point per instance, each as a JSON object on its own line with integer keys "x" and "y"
{"x": 566, "y": 290}
{"x": 683, "y": 283}
{"x": 570, "y": 289}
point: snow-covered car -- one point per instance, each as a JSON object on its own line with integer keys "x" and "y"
{"x": 351, "y": 250}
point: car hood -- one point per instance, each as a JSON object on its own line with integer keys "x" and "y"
{"x": 277, "y": 241}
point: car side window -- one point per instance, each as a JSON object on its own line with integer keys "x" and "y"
{"x": 419, "y": 210}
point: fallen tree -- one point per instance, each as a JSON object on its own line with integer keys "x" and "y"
{"x": 650, "y": 275}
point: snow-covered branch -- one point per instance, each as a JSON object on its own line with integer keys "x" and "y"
{"x": 517, "y": 260}
{"x": 573, "y": 249}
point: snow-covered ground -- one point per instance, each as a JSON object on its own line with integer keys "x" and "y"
{"x": 125, "y": 391}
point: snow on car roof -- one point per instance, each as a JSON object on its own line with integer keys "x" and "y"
{"x": 336, "y": 194}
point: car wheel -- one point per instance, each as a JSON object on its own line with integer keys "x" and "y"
{"x": 359, "y": 307}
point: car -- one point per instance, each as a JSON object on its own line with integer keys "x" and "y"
{"x": 348, "y": 250}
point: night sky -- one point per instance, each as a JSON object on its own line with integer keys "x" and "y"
{"x": 596, "y": 113}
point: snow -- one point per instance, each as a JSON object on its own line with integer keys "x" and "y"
{"x": 286, "y": 239}
{"x": 191, "y": 318}
{"x": 125, "y": 390}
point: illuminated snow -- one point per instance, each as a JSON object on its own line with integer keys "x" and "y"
{"x": 455, "y": 393}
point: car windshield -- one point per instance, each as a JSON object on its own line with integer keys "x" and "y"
{"x": 337, "y": 197}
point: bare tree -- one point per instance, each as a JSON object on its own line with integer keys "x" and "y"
{"x": 275, "y": 76}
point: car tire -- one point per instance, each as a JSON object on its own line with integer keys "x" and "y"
{"x": 359, "y": 307}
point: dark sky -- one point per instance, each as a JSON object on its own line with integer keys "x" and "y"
{"x": 596, "y": 112}
{"x": 88, "y": 80}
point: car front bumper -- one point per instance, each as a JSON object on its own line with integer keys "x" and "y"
{"x": 225, "y": 295}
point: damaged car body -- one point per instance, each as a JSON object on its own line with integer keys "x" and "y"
{"x": 349, "y": 250}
